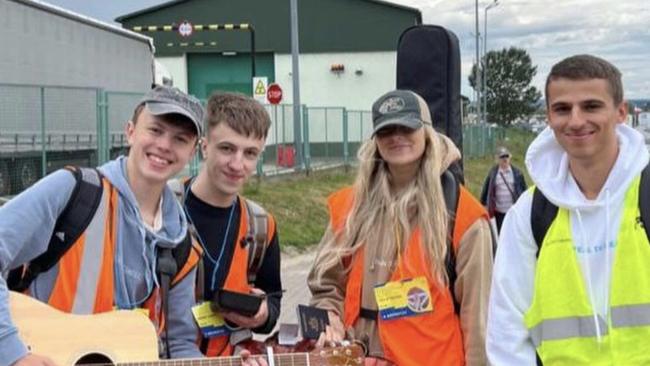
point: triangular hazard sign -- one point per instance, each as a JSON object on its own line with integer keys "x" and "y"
{"x": 259, "y": 88}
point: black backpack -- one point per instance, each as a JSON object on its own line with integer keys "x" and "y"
{"x": 428, "y": 63}
{"x": 543, "y": 212}
{"x": 73, "y": 221}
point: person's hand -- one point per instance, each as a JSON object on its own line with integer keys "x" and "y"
{"x": 250, "y": 322}
{"x": 34, "y": 360}
{"x": 249, "y": 360}
{"x": 334, "y": 333}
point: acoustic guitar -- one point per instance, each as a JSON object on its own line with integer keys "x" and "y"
{"x": 128, "y": 338}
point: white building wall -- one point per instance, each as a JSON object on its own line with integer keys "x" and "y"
{"x": 366, "y": 76}
{"x": 177, "y": 67}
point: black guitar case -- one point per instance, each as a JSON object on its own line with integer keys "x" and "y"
{"x": 428, "y": 63}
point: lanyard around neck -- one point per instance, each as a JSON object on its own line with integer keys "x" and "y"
{"x": 216, "y": 262}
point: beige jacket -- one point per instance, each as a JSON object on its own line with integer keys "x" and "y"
{"x": 471, "y": 289}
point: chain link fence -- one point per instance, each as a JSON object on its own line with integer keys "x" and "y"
{"x": 45, "y": 128}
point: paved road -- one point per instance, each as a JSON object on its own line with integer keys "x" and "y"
{"x": 294, "y": 279}
{"x": 295, "y": 268}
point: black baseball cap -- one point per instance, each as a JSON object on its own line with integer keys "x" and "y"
{"x": 165, "y": 100}
{"x": 401, "y": 108}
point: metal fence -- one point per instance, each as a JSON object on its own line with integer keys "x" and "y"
{"x": 45, "y": 128}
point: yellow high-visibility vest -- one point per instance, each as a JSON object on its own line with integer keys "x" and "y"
{"x": 561, "y": 319}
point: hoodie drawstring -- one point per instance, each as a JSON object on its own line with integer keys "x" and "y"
{"x": 587, "y": 268}
{"x": 608, "y": 251}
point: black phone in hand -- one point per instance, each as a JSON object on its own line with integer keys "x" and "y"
{"x": 241, "y": 303}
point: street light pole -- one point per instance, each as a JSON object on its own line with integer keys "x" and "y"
{"x": 485, "y": 60}
{"x": 478, "y": 71}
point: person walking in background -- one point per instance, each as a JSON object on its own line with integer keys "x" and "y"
{"x": 388, "y": 238}
{"x": 576, "y": 290}
{"x": 502, "y": 186}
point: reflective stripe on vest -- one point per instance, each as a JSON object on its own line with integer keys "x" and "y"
{"x": 630, "y": 315}
{"x": 84, "y": 281}
{"x": 237, "y": 279}
{"x": 569, "y": 327}
{"x": 561, "y": 319}
{"x": 92, "y": 256}
{"x": 416, "y": 334}
{"x": 584, "y": 326}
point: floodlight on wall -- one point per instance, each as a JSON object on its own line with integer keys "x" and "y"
{"x": 337, "y": 68}
{"x": 229, "y": 53}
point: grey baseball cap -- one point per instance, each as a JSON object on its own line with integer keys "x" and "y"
{"x": 402, "y": 108}
{"x": 165, "y": 100}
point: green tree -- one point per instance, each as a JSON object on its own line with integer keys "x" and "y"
{"x": 509, "y": 93}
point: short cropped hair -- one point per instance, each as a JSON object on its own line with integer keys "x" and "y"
{"x": 584, "y": 67}
{"x": 242, "y": 113}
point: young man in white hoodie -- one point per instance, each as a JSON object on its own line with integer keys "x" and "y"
{"x": 582, "y": 296}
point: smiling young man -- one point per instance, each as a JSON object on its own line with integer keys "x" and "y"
{"x": 113, "y": 264}
{"x": 237, "y": 127}
{"x": 578, "y": 293}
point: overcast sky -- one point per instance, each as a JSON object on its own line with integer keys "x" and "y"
{"x": 617, "y": 30}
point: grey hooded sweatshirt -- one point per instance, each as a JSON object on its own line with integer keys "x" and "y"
{"x": 27, "y": 223}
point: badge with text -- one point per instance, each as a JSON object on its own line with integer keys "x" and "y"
{"x": 403, "y": 298}
{"x": 211, "y": 323}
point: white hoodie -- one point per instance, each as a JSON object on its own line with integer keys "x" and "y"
{"x": 594, "y": 227}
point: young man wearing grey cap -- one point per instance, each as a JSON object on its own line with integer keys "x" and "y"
{"x": 502, "y": 186}
{"x": 388, "y": 239}
{"x": 114, "y": 263}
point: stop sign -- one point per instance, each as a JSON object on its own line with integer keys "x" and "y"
{"x": 274, "y": 93}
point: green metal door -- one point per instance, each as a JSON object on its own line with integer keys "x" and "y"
{"x": 208, "y": 72}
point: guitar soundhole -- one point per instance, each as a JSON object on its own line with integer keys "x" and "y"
{"x": 94, "y": 359}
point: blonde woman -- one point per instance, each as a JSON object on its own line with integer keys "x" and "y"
{"x": 381, "y": 267}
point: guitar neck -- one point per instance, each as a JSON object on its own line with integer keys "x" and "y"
{"x": 289, "y": 359}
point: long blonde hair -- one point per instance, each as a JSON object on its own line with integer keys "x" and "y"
{"x": 376, "y": 208}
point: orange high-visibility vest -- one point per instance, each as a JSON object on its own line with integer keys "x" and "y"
{"x": 84, "y": 283}
{"x": 430, "y": 338}
{"x": 237, "y": 279}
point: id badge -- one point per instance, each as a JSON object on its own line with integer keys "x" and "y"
{"x": 397, "y": 299}
{"x": 211, "y": 323}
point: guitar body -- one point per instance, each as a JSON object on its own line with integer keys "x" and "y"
{"x": 69, "y": 339}
{"x": 128, "y": 338}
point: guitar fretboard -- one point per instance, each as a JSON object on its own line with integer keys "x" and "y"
{"x": 293, "y": 359}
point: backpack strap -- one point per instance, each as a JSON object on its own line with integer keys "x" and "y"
{"x": 166, "y": 269}
{"x": 256, "y": 237}
{"x": 71, "y": 223}
{"x": 451, "y": 192}
{"x": 542, "y": 214}
{"x": 644, "y": 199}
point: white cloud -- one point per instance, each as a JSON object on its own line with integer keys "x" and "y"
{"x": 618, "y": 31}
